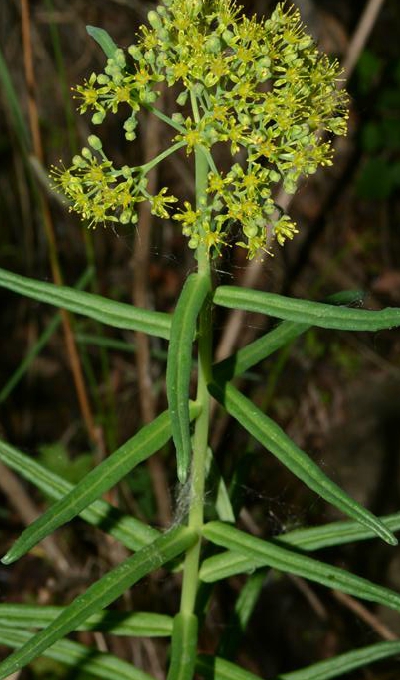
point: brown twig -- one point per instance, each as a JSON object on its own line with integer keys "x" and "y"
{"x": 72, "y": 351}
{"x": 311, "y": 597}
{"x": 365, "y": 615}
{"x": 360, "y": 36}
{"x": 140, "y": 264}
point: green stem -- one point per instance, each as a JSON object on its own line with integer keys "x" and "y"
{"x": 144, "y": 169}
{"x": 162, "y": 116}
{"x": 200, "y": 438}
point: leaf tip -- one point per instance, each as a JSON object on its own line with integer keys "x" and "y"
{"x": 8, "y": 558}
{"x": 391, "y": 539}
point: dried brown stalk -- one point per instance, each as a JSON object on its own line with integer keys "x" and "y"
{"x": 140, "y": 265}
{"x": 72, "y": 351}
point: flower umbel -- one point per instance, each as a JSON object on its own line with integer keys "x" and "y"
{"x": 260, "y": 87}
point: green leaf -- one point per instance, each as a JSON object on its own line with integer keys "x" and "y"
{"x": 116, "y": 314}
{"x": 305, "y": 311}
{"x": 222, "y": 502}
{"x": 256, "y": 351}
{"x": 103, "y": 39}
{"x": 267, "y": 553}
{"x": 344, "y": 663}
{"x": 101, "y": 594}
{"x": 215, "y": 668}
{"x": 263, "y": 347}
{"x": 86, "y": 659}
{"x": 184, "y": 647}
{"x": 230, "y": 563}
{"x": 336, "y": 533}
{"x": 131, "y": 532}
{"x": 270, "y": 435}
{"x": 179, "y": 365}
{"x": 149, "y": 439}
{"x": 143, "y": 624}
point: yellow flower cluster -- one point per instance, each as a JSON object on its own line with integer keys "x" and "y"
{"x": 260, "y": 87}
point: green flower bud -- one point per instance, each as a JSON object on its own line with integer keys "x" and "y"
{"x": 135, "y": 52}
{"x": 213, "y": 44}
{"x": 193, "y": 242}
{"x": 119, "y": 58}
{"x": 126, "y": 171}
{"x": 154, "y": 19}
{"x": 182, "y": 98}
{"x": 86, "y": 153}
{"x": 78, "y": 162}
{"x": 95, "y": 142}
{"x": 130, "y": 124}
{"x": 250, "y": 230}
{"x": 125, "y": 217}
{"x": 98, "y": 117}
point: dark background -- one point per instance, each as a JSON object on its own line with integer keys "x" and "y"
{"x": 336, "y": 394}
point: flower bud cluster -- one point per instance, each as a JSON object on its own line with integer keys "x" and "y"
{"x": 260, "y": 87}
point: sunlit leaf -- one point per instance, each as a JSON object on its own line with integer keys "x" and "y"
{"x": 144, "y": 624}
{"x": 278, "y": 337}
{"x": 267, "y": 553}
{"x": 104, "y": 476}
{"x": 131, "y": 532}
{"x": 106, "y": 311}
{"x": 87, "y": 659}
{"x": 270, "y": 435}
{"x": 101, "y": 594}
{"x": 305, "y": 311}
{"x": 229, "y": 563}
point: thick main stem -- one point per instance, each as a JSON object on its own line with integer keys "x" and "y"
{"x": 200, "y": 438}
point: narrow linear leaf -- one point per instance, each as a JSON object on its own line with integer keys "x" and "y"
{"x": 266, "y": 553}
{"x": 101, "y": 594}
{"x": 270, "y": 435}
{"x": 215, "y": 668}
{"x": 305, "y": 311}
{"x": 257, "y": 351}
{"x": 335, "y": 533}
{"x": 287, "y": 331}
{"x": 149, "y": 439}
{"x": 229, "y": 563}
{"x": 143, "y": 624}
{"x": 179, "y": 365}
{"x": 223, "y": 504}
{"x": 103, "y": 39}
{"x": 184, "y": 647}
{"x": 87, "y": 659}
{"x": 116, "y": 314}
{"x": 344, "y": 663}
{"x": 132, "y": 533}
